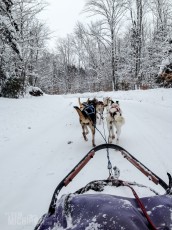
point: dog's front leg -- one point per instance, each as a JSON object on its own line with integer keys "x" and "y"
{"x": 98, "y": 117}
{"x": 101, "y": 118}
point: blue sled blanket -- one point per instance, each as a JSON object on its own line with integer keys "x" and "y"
{"x": 108, "y": 212}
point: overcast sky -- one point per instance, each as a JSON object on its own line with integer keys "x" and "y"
{"x": 62, "y": 15}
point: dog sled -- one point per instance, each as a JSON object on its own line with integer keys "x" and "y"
{"x": 94, "y": 206}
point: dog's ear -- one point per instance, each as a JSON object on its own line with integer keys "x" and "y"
{"x": 95, "y": 100}
{"x": 111, "y": 101}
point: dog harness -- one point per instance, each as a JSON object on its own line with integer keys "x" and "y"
{"x": 113, "y": 111}
{"x": 89, "y": 110}
{"x": 116, "y": 106}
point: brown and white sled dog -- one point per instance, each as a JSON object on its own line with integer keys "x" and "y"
{"x": 87, "y": 118}
{"x": 99, "y": 107}
{"x": 114, "y": 119}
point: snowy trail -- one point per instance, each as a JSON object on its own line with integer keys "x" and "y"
{"x": 151, "y": 126}
{"x": 35, "y": 154}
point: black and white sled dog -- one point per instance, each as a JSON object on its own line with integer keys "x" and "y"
{"x": 114, "y": 120}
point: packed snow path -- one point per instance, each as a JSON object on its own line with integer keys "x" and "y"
{"x": 35, "y": 154}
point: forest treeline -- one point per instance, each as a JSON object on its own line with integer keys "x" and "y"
{"x": 126, "y": 45}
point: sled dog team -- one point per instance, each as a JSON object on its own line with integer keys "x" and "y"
{"x": 93, "y": 110}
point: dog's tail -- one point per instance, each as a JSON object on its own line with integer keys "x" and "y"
{"x": 81, "y": 115}
{"x": 120, "y": 119}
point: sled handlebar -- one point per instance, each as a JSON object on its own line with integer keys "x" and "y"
{"x": 147, "y": 172}
{"x": 78, "y": 168}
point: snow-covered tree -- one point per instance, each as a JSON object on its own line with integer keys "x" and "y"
{"x": 9, "y": 31}
{"x": 111, "y": 12}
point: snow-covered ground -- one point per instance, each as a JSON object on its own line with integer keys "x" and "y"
{"x": 41, "y": 141}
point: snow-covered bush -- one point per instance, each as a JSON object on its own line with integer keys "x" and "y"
{"x": 35, "y": 91}
{"x": 12, "y": 88}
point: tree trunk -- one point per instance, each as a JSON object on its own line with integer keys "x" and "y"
{"x": 113, "y": 61}
{"x": 138, "y": 38}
